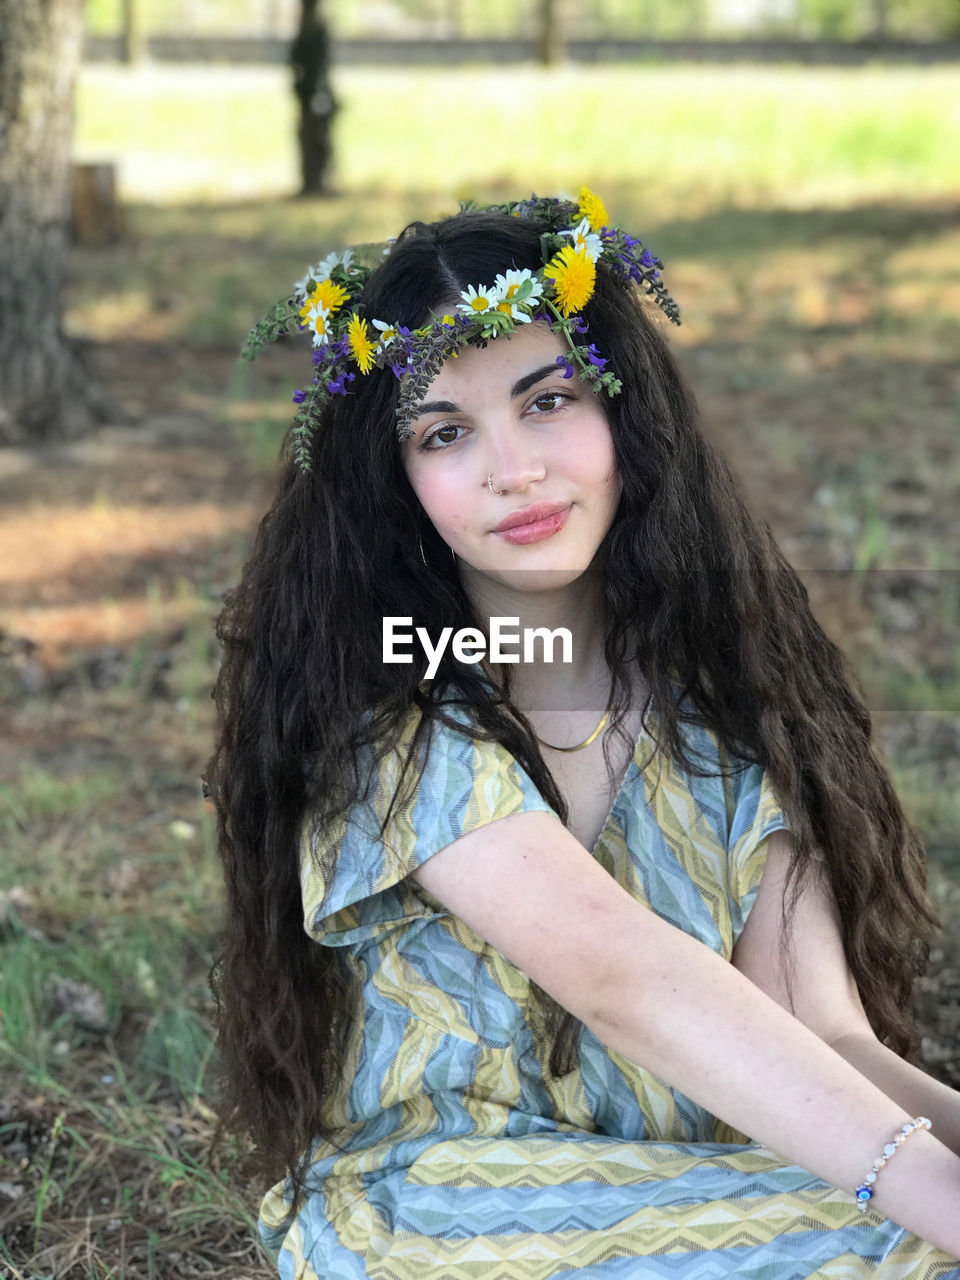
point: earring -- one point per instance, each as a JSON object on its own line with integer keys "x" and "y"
{"x": 498, "y": 492}
{"x": 424, "y": 558}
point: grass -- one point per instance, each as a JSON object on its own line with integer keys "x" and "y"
{"x": 691, "y": 136}
{"x": 807, "y": 219}
{"x": 112, "y": 884}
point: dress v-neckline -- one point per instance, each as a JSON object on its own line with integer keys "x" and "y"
{"x": 643, "y": 736}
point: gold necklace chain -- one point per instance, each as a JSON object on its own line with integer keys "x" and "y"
{"x": 579, "y": 745}
{"x": 586, "y": 742}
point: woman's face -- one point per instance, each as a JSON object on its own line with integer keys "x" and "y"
{"x": 506, "y": 410}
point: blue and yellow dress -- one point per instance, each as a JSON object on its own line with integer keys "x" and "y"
{"x": 459, "y": 1155}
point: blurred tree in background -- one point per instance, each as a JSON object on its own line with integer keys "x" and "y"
{"x": 134, "y": 31}
{"x": 310, "y": 58}
{"x": 831, "y": 19}
{"x": 44, "y": 389}
{"x": 550, "y": 32}
{"x": 882, "y": 19}
{"x": 927, "y": 19}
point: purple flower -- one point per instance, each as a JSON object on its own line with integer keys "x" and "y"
{"x": 626, "y": 266}
{"x": 629, "y": 268}
{"x": 338, "y": 386}
{"x": 655, "y": 276}
{"x": 580, "y": 325}
{"x": 647, "y": 259}
{"x": 398, "y": 369}
{"x": 317, "y": 357}
{"x": 595, "y": 358}
{"x": 630, "y": 242}
{"x": 567, "y": 366}
{"x": 299, "y": 397}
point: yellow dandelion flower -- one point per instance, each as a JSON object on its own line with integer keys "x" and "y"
{"x": 330, "y": 296}
{"x": 362, "y": 347}
{"x": 574, "y": 277}
{"x": 593, "y": 209}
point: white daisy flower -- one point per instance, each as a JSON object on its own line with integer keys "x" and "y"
{"x": 480, "y": 299}
{"x": 321, "y": 272}
{"x": 387, "y": 333}
{"x": 518, "y": 290}
{"x": 317, "y": 320}
{"x": 585, "y": 240}
{"x": 302, "y": 286}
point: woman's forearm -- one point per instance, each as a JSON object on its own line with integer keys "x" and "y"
{"x": 696, "y": 1022}
{"x": 916, "y": 1092}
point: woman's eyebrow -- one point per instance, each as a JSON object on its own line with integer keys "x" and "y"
{"x": 526, "y": 382}
{"x": 435, "y": 406}
{"x": 519, "y": 387}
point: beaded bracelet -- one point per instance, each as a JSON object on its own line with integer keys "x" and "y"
{"x": 864, "y": 1193}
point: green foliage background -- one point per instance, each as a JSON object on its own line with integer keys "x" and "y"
{"x": 811, "y": 19}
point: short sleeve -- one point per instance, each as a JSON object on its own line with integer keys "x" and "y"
{"x": 466, "y": 783}
{"x": 756, "y": 814}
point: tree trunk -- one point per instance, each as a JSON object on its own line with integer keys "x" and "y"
{"x": 550, "y": 41}
{"x": 458, "y": 19}
{"x": 134, "y": 33}
{"x": 43, "y": 388}
{"x": 878, "y": 14}
{"x": 310, "y": 58}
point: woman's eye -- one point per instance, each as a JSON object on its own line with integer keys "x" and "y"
{"x": 444, "y": 435}
{"x": 549, "y": 401}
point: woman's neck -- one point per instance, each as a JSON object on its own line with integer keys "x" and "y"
{"x": 575, "y": 608}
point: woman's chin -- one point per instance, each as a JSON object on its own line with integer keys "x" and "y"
{"x": 531, "y": 581}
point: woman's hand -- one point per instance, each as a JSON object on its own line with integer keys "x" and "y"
{"x": 814, "y": 983}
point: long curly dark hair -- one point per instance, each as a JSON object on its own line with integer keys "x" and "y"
{"x": 701, "y": 603}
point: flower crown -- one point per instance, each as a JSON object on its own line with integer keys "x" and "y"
{"x": 326, "y": 302}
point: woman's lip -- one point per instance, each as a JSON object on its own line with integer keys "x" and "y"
{"x": 529, "y": 515}
{"x": 535, "y": 530}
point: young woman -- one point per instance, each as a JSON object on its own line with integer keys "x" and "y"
{"x": 572, "y": 917}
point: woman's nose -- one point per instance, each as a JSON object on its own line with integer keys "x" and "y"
{"x": 516, "y": 460}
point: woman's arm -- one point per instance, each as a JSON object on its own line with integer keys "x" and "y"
{"x": 669, "y": 1003}
{"x": 822, "y": 992}
{"x": 916, "y": 1092}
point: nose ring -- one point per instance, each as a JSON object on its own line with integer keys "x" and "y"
{"x": 498, "y": 492}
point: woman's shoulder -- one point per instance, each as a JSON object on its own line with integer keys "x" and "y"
{"x": 414, "y": 798}
{"x": 457, "y": 763}
{"x": 412, "y": 735}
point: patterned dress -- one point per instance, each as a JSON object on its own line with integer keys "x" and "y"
{"x": 459, "y": 1156}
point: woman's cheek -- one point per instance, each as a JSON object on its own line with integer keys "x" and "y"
{"x": 444, "y": 507}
